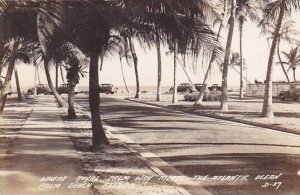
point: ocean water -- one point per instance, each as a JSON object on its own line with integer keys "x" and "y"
{"x": 132, "y": 89}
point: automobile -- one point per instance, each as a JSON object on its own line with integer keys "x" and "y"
{"x": 198, "y": 86}
{"x": 292, "y": 93}
{"x": 40, "y": 89}
{"x": 215, "y": 87}
{"x": 64, "y": 88}
{"x": 185, "y": 87}
{"x": 107, "y": 88}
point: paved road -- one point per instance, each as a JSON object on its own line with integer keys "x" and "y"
{"x": 203, "y": 146}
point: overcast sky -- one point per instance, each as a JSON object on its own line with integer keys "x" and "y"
{"x": 256, "y": 53}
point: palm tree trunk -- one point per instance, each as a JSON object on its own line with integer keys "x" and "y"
{"x": 101, "y": 61}
{"x": 71, "y": 109}
{"x": 185, "y": 71}
{"x": 61, "y": 74}
{"x": 56, "y": 76}
{"x": 175, "y": 98}
{"x": 35, "y": 73}
{"x": 294, "y": 73}
{"x": 60, "y": 101}
{"x": 224, "y": 99}
{"x": 158, "y": 91}
{"x": 267, "y": 110}
{"x": 280, "y": 60}
{"x": 135, "y": 61}
{"x": 241, "y": 58}
{"x": 123, "y": 76}
{"x": 99, "y": 138}
{"x": 204, "y": 84}
{"x": 7, "y": 81}
{"x": 1, "y": 56}
{"x": 200, "y": 96}
{"x": 18, "y": 85}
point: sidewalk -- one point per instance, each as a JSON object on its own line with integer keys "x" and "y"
{"x": 42, "y": 150}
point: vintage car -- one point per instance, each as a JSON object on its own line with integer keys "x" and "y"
{"x": 107, "y": 88}
{"x": 40, "y": 89}
{"x": 293, "y": 93}
{"x": 185, "y": 87}
{"x": 197, "y": 86}
{"x": 215, "y": 87}
{"x": 64, "y": 89}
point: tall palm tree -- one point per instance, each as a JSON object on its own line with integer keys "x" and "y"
{"x": 174, "y": 97}
{"x": 11, "y": 63}
{"x": 158, "y": 91}
{"x": 275, "y": 12}
{"x": 75, "y": 69}
{"x": 200, "y": 96}
{"x": 293, "y": 60}
{"x": 224, "y": 98}
{"x": 245, "y": 10}
{"x": 288, "y": 33}
{"x": 135, "y": 62}
{"x": 96, "y": 20}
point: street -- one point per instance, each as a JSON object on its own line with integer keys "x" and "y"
{"x": 204, "y": 147}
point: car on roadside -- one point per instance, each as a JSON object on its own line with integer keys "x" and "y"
{"x": 107, "y": 88}
{"x": 185, "y": 87}
{"x": 293, "y": 93}
{"x": 64, "y": 89}
{"x": 215, "y": 87}
{"x": 198, "y": 86}
{"x": 40, "y": 89}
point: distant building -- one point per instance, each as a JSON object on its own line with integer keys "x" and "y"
{"x": 258, "y": 89}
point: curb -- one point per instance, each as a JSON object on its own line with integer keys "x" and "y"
{"x": 276, "y": 128}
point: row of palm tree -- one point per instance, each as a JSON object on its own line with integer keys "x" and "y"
{"x": 184, "y": 26}
{"x": 50, "y": 25}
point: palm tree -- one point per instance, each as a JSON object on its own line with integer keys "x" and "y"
{"x": 288, "y": 33}
{"x": 200, "y": 96}
{"x": 245, "y": 10}
{"x": 224, "y": 98}
{"x": 293, "y": 60}
{"x": 11, "y": 60}
{"x": 75, "y": 68}
{"x": 1, "y": 55}
{"x": 174, "y": 97}
{"x": 158, "y": 91}
{"x": 135, "y": 62}
{"x": 274, "y": 12}
{"x": 95, "y": 22}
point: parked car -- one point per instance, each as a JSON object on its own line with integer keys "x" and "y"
{"x": 198, "y": 86}
{"x": 185, "y": 87}
{"x": 40, "y": 89}
{"x": 64, "y": 88}
{"x": 107, "y": 88}
{"x": 293, "y": 93}
{"x": 215, "y": 87}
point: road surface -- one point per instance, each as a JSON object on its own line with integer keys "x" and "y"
{"x": 250, "y": 160}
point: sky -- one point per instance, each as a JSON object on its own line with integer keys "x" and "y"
{"x": 256, "y": 53}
